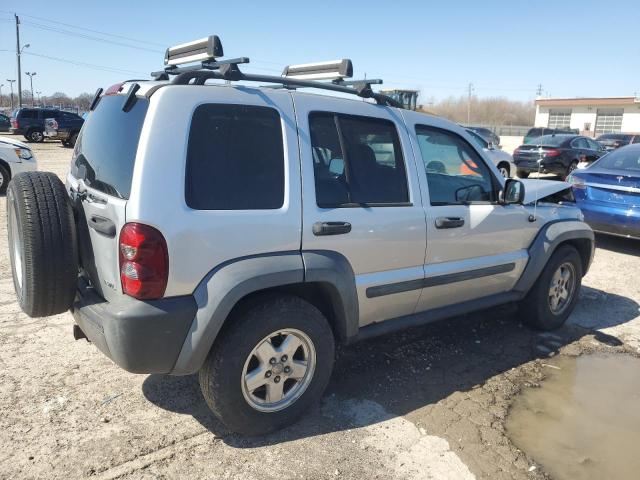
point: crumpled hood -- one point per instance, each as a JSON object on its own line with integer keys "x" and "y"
{"x": 541, "y": 188}
{"x": 14, "y": 143}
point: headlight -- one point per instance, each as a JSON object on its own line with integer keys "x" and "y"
{"x": 23, "y": 153}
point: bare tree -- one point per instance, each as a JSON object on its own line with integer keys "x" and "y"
{"x": 486, "y": 111}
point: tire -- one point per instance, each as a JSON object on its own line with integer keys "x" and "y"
{"x": 570, "y": 169}
{"x": 5, "y": 176}
{"x": 35, "y": 136}
{"x": 522, "y": 174}
{"x": 42, "y": 243}
{"x": 65, "y": 143}
{"x": 222, "y": 377}
{"x": 537, "y": 308}
{"x": 72, "y": 140}
{"x": 504, "y": 169}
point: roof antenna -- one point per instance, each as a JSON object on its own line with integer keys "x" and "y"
{"x": 534, "y": 217}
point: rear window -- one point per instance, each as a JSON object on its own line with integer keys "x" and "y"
{"x": 105, "y": 151}
{"x": 551, "y": 140}
{"x": 235, "y": 158}
{"x": 627, "y": 158}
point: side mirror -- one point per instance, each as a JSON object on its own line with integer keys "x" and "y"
{"x": 513, "y": 192}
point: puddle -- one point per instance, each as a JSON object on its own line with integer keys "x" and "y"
{"x": 584, "y": 421}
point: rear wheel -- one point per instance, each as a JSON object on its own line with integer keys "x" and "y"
{"x": 269, "y": 365}
{"x": 522, "y": 174}
{"x": 42, "y": 243}
{"x": 35, "y": 136}
{"x": 5, "y": 176}
{"x": 554, "y": 295}
{"x": 570, "y": 169}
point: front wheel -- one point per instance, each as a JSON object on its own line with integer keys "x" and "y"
{"x": 554, "y": 295}
{"x": 270, "y": 364}
{"x": 503, "y": 168}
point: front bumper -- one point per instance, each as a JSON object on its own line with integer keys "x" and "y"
{"x": 615, "y": 220}
{"x": 139, "y": 336}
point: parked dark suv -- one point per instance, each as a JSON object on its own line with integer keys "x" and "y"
{"x": 30, "y": 122}
{"x": 65, "y": 127}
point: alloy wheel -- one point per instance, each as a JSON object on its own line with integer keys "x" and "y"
{"x": 278, "y": 370}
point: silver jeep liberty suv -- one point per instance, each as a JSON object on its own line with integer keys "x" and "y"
{"x": 230, "y": 224}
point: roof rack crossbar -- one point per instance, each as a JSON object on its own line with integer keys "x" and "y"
{"x": 232, "y": 73}
{"x": 207, "y": 65}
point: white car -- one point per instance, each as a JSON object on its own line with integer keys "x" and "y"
{"x": 499, "y": 157}
{"x": 15, "y": 157}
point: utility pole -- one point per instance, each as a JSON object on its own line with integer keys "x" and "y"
{"x": 1, "y": 101}
{"x": 11, "y": 83}
{"x": 38, "y": 93}
{"x": 31, "y": 74}
{"x": 470, "y": 92}
{"x": 18, "y": 52}
{"x": 539, "y": 90}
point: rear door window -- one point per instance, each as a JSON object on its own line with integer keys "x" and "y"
{"x": 106, "y": 149}
{"x": 357, "y": 161}
{"x": 235, "y": 158}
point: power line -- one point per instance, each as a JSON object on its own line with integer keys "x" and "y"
{"x": 122, "y": 37}
{"x": 87, "y": 65}
{"x": 88, "y": 37}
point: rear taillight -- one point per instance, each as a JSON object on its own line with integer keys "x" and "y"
{"x": 577, "y": 182}
{"x": 113, "y": 89}
{"x": 144, "y": 261}
{"x": 552, "y": 153}
{"x": 15, "y": 124}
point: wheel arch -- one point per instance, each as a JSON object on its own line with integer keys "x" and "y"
{"x": 322, "y": 278}
{"x": 5, "y": 164}
{"x": 551, "y": 236}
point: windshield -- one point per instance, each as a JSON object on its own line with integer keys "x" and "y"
{"x": 480, "y": 142}
{"x": 105, "y": 151}
{"x": 550, "y": 140}
{"x": 627, "y": 158}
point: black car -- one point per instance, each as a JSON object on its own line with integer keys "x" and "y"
{"x": 611, "y": 141}
{"x": 537, "y": 132}
{"x": 5, "y": 123}
{"x": 486, "y": 134}
{"x": 30, "y": 122}
{"x": 557, "y": 154}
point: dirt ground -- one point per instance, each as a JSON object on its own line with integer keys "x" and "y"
{"x": 425, "y": 403}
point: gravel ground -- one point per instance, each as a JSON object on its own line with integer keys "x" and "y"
{"x": 425, "y": 403}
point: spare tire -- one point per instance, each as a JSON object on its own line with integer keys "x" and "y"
{"x": 42, "y": 243}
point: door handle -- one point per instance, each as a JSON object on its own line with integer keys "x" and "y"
{"x": 331, "y": 228}
{"x": 449, "y": 222}
{"x": 102, "y": 225}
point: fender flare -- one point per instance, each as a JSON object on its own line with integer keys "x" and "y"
{"x": 546, "y": 242}
{"x": 224, "y": 286}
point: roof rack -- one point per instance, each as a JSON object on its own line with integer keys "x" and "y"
{"x": 207, "y": 51}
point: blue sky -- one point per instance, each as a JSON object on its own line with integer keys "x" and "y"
{"x": 505, "y": 48}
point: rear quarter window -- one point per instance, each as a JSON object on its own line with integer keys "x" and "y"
{"x": 235, "y": 158}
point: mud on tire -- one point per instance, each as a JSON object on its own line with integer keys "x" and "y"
{"x": 42, "y": 243}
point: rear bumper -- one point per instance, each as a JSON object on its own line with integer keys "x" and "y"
{"x": 614, "y": 220}
{"x": 139, "y": 336}
{"x": 557, "y": 168}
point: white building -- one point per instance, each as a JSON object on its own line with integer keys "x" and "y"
{"x": 591, "y": 116}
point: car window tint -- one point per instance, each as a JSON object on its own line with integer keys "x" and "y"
{"x": 593, "y": 145}
{"x": 357, "y": 160}
{"x": 580, "y": 143}
{"x": 621, "y": 159}
{"x": 235, "y": 158}
{"x": 455, "y": 172}
{"x": 28, "y": 114}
